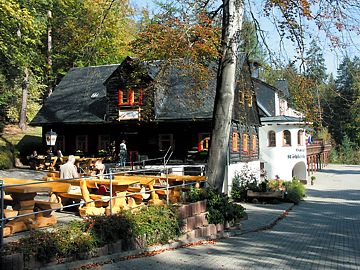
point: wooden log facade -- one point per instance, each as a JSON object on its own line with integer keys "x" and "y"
{"x": 95, "y": 107}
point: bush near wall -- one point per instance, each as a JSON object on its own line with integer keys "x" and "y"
{"x": 219, "y": 206}
{"x": 152, "y": 225}
{"x": 295, "y": 191}
{"x": 6, "y": 158}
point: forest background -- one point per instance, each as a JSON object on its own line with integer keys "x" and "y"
{"x": 41, "y": 40}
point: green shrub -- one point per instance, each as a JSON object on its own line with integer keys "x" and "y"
{"x": 295, "y": 191}
{"x": 109, "y": 229}
{"x": 221, "y": 209}
{"x": 153, "y": 224}
{"x": 156, "y": 224}
{"x": 62, "y": 242}
{"x": 6, "y": 160}
{"x": 195, "y": 195}
{"x": 346, "y": 153}
{"x": 244, "y": 181}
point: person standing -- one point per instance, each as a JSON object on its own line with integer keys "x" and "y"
{"x": 69, "y": 170}
{"x": 123, "y": 153}
{"x": 59, "y": 159}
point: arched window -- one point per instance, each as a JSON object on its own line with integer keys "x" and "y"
{"x": 300, "y": 137}
{"x": 271, "y": 138}
{"x": 286, "y": 138}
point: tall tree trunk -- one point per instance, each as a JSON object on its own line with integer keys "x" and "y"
{"x": 225, "y": 90}
{"x": 24, "y": 87}
{"x": 49, "y": 58}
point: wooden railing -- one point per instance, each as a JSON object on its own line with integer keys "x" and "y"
{"x": 317, "y": 155}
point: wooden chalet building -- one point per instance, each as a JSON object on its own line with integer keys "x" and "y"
{"x": 95, "y": 106}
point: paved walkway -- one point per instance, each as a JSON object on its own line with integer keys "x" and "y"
{"x": 323, "y": 232}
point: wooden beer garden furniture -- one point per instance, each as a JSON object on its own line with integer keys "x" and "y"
{"x": 94, "y": 202}
{"x": 41, "y": 163}
{"x": 152, "y": 181}
{"x": 23, "y": 202}
{"x": 180, "y": 181}
{"x": 147, "y": 185}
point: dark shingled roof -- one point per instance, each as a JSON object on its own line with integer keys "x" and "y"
{"x": 265, "y": 95}
{"x": 282, "y": 85}
{"x": 179, "y": 99}
{"x": 79, "y": 98}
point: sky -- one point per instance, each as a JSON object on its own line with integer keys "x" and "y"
{"x": 288, "y": 51}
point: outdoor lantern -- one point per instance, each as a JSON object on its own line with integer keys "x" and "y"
{"x": 50, "y": 137}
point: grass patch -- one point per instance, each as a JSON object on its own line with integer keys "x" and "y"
{"x": 15, "y": 143}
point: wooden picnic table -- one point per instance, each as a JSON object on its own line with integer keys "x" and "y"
{"x": 23, "y": 202}
{"x": 119, "y": 191}
{"x": 41, "y": 162}
{"x": 174, "y": 193}
{"x": 146, "y": 181}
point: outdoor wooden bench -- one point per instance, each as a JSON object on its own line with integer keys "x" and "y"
{"x": 47, "y": 205}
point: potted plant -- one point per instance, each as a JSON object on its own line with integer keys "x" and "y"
{"x": 313, "y": 180}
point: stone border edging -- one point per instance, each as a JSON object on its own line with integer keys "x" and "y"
{"x": 138, "y": 252}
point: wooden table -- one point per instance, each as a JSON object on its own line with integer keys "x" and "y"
{"x": 174, "y": 193}
{"x": 41, "y": 162}
{"x": 119, "y": 190}
{"x": 147, "y": 181}
{"x": 23, "y": 203}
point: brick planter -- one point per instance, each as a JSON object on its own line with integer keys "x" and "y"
{"x": 12, "y": 261}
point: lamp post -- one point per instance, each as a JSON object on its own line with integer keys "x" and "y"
{"x": 50, "y": 138}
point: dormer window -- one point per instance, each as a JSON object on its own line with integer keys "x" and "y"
{"x": 130, "y": 97}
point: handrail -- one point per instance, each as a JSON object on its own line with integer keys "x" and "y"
{"x": 106, "y": 176}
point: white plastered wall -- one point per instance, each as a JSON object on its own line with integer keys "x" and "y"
{"x": 232, "y": 169}
{"x": 281, "y": 160}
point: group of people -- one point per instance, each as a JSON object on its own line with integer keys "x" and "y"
{"x": 69, "y": 169}
{"x": 34, "y": 159}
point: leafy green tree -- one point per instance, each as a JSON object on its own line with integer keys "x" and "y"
{"x": 315, "y": 72}
{"x": 315, "y": 68}
{"x": 345, "y": 103}
{"x": 90, "y": 32}
{"x": 20, "y": 49}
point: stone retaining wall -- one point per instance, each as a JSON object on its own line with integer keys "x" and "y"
{"x": 195, "y": 225}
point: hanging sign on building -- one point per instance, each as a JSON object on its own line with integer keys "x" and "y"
{"x": 129, "y": 115}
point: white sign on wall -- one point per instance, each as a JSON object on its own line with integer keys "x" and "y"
{"x": 128, "y": 115}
